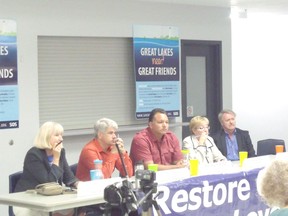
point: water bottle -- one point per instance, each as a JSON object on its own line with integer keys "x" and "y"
{"x": 138, "y": 166}
{"x": 97, "y": 172}
{"x": 185, "y": 154}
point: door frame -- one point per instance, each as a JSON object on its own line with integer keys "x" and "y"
{"x": 212, "y": 51}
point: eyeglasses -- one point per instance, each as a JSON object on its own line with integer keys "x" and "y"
{"x": 202, "y": 128}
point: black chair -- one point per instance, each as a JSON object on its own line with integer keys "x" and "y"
{"x": 267, "y": 146}
{"x": 73, "y": 168}
{"x": 13, "y": 179}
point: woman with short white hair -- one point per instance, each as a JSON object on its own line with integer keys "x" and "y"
{"x": 200, "y": 145}
{"x": 272, "y": 186}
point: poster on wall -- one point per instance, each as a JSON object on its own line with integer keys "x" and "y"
{"x": 9, "y": 110}
{"x": 156, "y": 66}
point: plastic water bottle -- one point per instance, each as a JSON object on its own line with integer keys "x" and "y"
{"x": 97, "y": 173}
{"x": 138, "y": 166}
{"x": 185, "y": 154}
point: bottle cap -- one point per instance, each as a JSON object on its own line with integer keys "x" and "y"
{"x": 97, "y": 161}
{"x": 140, "y": 162}
{"x": 185, "y": 151}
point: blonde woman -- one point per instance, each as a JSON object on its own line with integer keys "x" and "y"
{"x": 200, "y": 145}
{"x": 45, "y": 162}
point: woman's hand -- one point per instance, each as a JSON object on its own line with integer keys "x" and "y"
{"x": 56, "y": 151}
{"x": 202, "y": 138}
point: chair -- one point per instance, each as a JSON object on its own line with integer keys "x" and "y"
{"x": 73, "y": 168}
{"x": 13, "y": 179}
{"x": 267, "y": 146}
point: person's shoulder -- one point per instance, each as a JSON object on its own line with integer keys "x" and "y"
{"x": 209, "y": 137}
{"x": 187, "y": 138}
{"x": 34, "y": 150}
{"x": 217, "y": 133}
{"x": 92, "y": 144}
{"x": 172, "y": 137}
{"x": 141, "y": 133}
{"x": 280, "y": 212}
{"x": 170, "y": 134}
{"x": 242, "y": 131}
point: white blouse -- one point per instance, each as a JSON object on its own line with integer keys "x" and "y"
{"x": 206, "y": 153}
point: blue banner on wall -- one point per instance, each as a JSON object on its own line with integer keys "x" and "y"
{"x": 9, "y": 110}
{"x": 156, "y": 63}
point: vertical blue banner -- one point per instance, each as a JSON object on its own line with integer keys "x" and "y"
{"x": 156, "y": 66}
{"x": 9, "y": 107}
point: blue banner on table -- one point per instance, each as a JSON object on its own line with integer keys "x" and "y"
{"x": 9, "y": 107}
{"x": 156, "y": 62}
{"x": 227, "y": 195}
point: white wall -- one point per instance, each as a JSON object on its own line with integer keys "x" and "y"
{"x": 92, "y": 18}
{"x": 259, "y": 48}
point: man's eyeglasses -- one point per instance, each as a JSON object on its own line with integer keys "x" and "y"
{"x": 202, "y": 128}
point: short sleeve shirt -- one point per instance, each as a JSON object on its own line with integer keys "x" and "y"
{"x": 146, "y": 147}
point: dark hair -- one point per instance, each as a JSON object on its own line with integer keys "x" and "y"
{"x": 154, "y": 112}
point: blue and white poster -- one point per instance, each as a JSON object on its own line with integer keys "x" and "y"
{"x": 156, "y": 65}
{"x": 9, "y": 110}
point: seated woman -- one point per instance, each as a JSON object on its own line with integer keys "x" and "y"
{"x": 200, "y": 145}
{"x": 45, "y": 162}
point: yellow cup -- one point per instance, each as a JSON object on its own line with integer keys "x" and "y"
{"x": 194, "y": 166}
{"x": 279, "y": 148}
{"x": 242, "y": 156}
{"x": 153, "y": 167}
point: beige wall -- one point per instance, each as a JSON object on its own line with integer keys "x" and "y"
{"x": 92, "y": 19}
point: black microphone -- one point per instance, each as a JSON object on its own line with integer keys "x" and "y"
{"x": 131, "y": 200}
{"x": 122, "y": 160}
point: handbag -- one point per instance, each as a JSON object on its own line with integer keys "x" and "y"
{"x": 49, "y": 189}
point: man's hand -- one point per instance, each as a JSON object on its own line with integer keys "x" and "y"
{"x": 120, "y": 144}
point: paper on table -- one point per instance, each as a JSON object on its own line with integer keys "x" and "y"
{"x": 96, "y": 187}
{"x": 166, "y": 176}
{"x": 282, "y": 155}
{"x": 221, "y": 167}
{"x": 257, "y": 162}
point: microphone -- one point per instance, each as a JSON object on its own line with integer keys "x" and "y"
{"x": 131, "y": 200}
{"x": 122, "y": 160}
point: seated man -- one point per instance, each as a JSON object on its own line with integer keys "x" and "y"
{"x": 230, "y": 140}
{"x": 155, "y": 144}
{"x": 103, "y": 147}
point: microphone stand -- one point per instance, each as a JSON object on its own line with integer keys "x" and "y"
{"x": 122, "y": 160}
{"x": 128, "y": 195}
{"x": 131, "y": 201}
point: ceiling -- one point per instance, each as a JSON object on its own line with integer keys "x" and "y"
{"x": 253, "y": 6}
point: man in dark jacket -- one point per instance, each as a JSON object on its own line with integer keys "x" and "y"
{"x": 230, "y": 140}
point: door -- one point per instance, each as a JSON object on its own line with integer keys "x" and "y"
{"x": 201, "y": 82}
